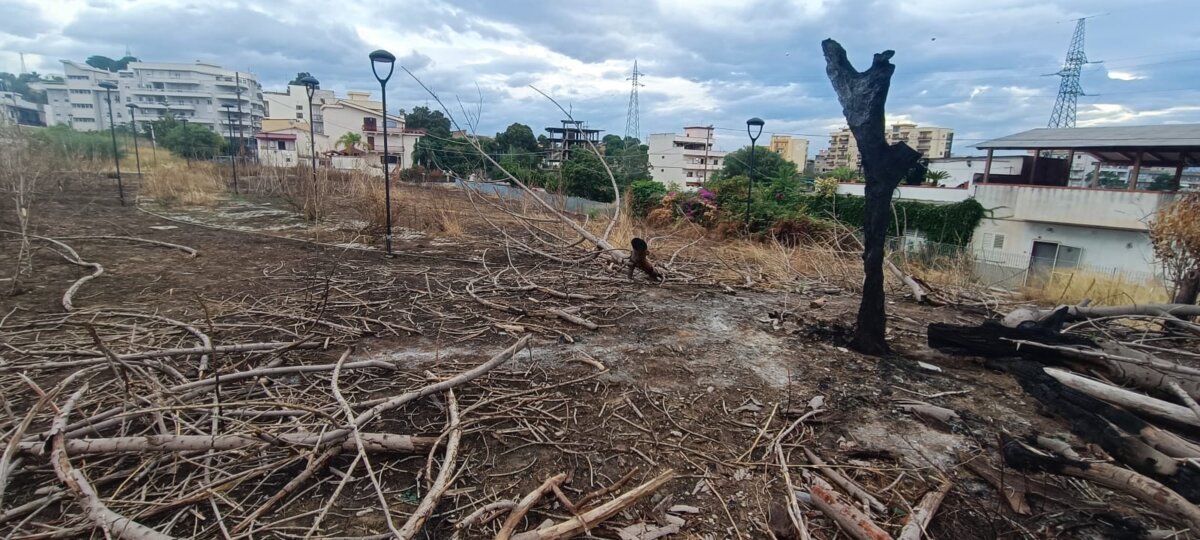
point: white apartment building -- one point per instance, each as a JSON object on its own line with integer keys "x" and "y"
{"x": 285, "y": 139}
{"x": 15, "y": 110}
{"x": 686, "y": 160}
{"x": 197, "y": 92}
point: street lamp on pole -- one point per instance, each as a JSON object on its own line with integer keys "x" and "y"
{"x": 232, "y": 159}
{"x": 381, "y": 58}
{"x": 133, "y": 127}
{"x": 310, "y": 86}
{"x": 754, "y": 128}
{"x": 108, "y": 87}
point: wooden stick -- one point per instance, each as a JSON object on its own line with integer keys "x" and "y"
{"x": 597, "y": 515}
{"x": 315, "y": 463}
{"x": 85, "y": 495}
{"x": 847, "y": 517}
{"x": 527, "y": 502}
{"x": 444, "y": 477}
{"x": 851, "y": 487}
{"x": 923, "y": 513}
{"x": 793, "y": 506}
{"x": 478, "y": 515}
{"x": 573, "y": 319}
{"x": 372, "y": 442}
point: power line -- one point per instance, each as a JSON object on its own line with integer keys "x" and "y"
{"x": 633, "y": 127}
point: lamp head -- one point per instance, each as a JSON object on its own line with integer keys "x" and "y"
{"x": 754, "y": 128}
{"x": 108, "y": 85}
{"x": 310, "y": 84}
{"x": 382, "y": 57}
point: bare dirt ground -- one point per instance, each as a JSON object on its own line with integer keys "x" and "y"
{"x": 698, "y": 377}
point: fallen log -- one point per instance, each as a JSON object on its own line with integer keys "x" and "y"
{"x": 850, "y": 486}
{"x": 597, "y": 515}
{"x": 527, "y": 502}
{"x": 1021, "y": 456}
{"x": 1125, "y": 398}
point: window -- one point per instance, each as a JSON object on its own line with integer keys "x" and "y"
{"x": 370, "y": 143}
{"x": 299, "y": 107}
{"x": 81, "y": 105}
{"x": 716, "y": 162}
{"x": 300, "y": 116}
{"x": 992, "y": 241}
{"x": 75, "y": 91}
{"x": 281, "y": 145}
{"x": 689, "y": 175}
{"x": 77, "y": 77}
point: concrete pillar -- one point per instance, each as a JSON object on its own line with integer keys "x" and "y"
{"x": 1137, "y": 169}
{"x": 987, "y": 167}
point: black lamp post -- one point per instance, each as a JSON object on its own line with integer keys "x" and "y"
{"x": 310, "y": 86}
{"x": 233, "y": 160}
{"x": 382, "y": 57}
{"x": 754, "y": 130}
{"x": 108, "y": 87}
{"x": 133, "y": 127}
{"x": 187, "y": 153}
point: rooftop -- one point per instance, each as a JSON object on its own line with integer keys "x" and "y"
{"x": 1165, "y": 145}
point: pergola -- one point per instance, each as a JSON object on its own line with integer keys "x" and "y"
{"x": 1170, "y": 145}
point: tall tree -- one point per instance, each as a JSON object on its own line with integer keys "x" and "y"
{"x": 768, "y": 165}
{"x": 432, "y": 121}
{"x": 863, "y": 96}
{"x": 584, "y": 176}
{"x": 518, "y": 142}
{"x": 108, "y": 64}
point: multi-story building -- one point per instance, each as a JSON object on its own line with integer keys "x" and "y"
{"x": 285, "y": 138}
{"x": 292, "y": 104}
{"x": 931, "y": 142}
{"x": 14, "y": 109}
{"x": 793, "y": 149}
{"x": 226, "y": 101}
{"x": 563, "y": 140}
{"x": 685, "y": 160}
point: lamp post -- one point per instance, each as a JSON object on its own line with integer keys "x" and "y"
{"x": 751, "y": 124}
{"x": 133, "y": 127}
{"x": 108, "y": 87}
{"x": 187, "y": 153}
{"x": 378, "y": 58}
{"x": 232, "y": 160}
{"x": 310, "y": 86}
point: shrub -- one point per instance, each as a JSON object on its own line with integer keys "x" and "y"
{"x": 645, "y": 195}
{"x": 800, "y": 230}
{"x": 825, "y": 186}
{"x": 660, "y": 217}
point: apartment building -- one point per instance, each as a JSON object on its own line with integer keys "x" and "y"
{"x": 563, "y": 140}
{"x": 931, "y": 142}
{"x": 686, "y": 160}
{"x": 793, "y": 149}
{"x": 226, "y": 101}
{"x": 292, "y": 104}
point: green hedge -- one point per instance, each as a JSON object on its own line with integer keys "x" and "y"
{"x": 945, "y": 223}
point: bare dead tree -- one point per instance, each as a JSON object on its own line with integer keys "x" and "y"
{"x": 863, "y": 96}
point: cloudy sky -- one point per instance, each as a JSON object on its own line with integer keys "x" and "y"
{"x": 976, "y": 66}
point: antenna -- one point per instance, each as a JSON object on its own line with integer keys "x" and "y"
{"x": 23, "y": 69}
{"x": 1069, "y": 90}
{"x": 128, "y": 53}
{"x": 633, "y": 121}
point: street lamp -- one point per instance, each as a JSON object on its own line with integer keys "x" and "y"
{"x": 232, "y": 160}
{"x": 310, "y": 86}
{"x": 378, "y": 58}
{"x": 133, "y": 126}
{"x": 751, "y": 124}
{"x": 187, "y": 153}
{"x": 108, "y": 87}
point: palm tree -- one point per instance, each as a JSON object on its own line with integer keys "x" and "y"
{"x": 933, "y": 177}
{"x": 349, "y": 140}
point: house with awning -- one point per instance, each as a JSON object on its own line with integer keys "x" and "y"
{"x": 1042, "y": 222}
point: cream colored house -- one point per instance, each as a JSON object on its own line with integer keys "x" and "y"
{"x": 793, "y": 149}
{"x": 931, "y": 142}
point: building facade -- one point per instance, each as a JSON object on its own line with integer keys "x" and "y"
{"x": 226, "y": 101}
{"x": 286, "y": 132}
{"x": 793, "y": 149}
{"x": 686, "y": 160}
{"x": 931, "y": 142}
{"x": 14, "y": 109}
{"x": 563, "y": 140}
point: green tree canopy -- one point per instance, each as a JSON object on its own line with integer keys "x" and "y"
{"x": 844, "y": 174}
{"x": 584, "y": 176}
{"x": 432, "y": 121}
{"x": 518, "y": 142}
{"x": 108, "y": 64}
{"x": 768, "y": 166}
{"x": 300, "y": 75}
{"x": 20, "y": 84}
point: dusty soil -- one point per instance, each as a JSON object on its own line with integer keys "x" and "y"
{"x": 695, "y": 372}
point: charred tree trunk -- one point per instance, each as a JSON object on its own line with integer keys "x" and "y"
{"x": 863, "y": 96}
{"x": 640, "y": 259}
{"x": 1189, "y": 287}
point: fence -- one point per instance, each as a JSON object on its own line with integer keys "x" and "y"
{"x": 950, "y": 264}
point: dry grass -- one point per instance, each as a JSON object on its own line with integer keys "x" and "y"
{"x": 202, "y": 184}
{"x": 1103, "y": 289}
{"x": 772, "y": 264}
